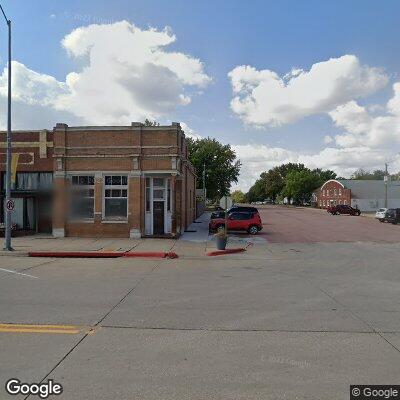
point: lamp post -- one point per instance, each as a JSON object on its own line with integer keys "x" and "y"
{"x": 7, "y": 245}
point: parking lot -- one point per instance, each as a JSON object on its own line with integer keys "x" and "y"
{"x": 295, "y": 317}
{"x": 308, "y": 225}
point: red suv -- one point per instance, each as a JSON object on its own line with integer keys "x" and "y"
{"x": 238, "y": 221}
{"x": 343, "y": 209}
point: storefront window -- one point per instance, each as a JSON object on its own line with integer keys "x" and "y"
{"x": 82, "y": 197}
{"x": 115, "y": 197}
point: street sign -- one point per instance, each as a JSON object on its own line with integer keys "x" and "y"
{"x": 226, "y": 201}
{"x": 10, "y": 205}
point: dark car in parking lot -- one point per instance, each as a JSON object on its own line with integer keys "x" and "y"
{"x": 221, "y": 213}
{"x": 393, "y": 215}
{"x": 343, "y": 209}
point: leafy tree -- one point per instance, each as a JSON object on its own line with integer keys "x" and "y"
{"x": 325, "y": 175}
{"x": 367, "y": 175}
{"x": 256, "y": 192}
{"x": 238, "y": 196}
{"x": 148, "y": 122}
{"x": 275, "y": 178}
{"x": 299, "y": 185}
{"x": 280, "y": 182}
{"x": 222, "y": 167}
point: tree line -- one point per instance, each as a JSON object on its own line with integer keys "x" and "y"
{"x": 297, "y": 183}
{"x": 293, "y": 181}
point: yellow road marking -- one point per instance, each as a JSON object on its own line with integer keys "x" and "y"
{"x": 25, "y": 328}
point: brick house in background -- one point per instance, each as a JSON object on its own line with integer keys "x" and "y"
{"x": 367, "y": 195}
{"x": 103, "y": 181}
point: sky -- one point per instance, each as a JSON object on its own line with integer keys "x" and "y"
{"x": 315, "y": 82}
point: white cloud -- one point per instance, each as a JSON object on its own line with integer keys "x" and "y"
{"x": 363, "y": 128}
{"x": 258, "y": 158}
{"x": 189, "y": 132}
{"x": 344, "y": 161}
{"x": 328, "y": 139}
{"x": 127, "y": 75}
{"x": 262, "y": 98}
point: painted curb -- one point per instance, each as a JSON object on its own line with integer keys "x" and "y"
{"x": 226, "y": 251}
{"x": 151, "y": 254}
{"x": 75, "y": 254}
{"x": 99, "y": 254}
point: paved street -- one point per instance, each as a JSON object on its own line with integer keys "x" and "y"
{"x": 300, "y": 320}
{"x": 307, "y": 225}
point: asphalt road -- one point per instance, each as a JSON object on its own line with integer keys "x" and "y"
{"x": 307, "y": 225}
{"x": 282, "y": 321}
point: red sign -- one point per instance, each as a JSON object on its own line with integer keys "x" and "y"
{"x": 10, "y": 205}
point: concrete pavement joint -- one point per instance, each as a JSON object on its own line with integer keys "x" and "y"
{"x": 161, "y": 328}
{"x": 351, "y": 312}
{"x": 90, "y": 332}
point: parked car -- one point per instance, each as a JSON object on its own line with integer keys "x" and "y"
{"x": 343, "y": 209}
{"x": 381, "y": 214}
{"x": 234, "y": 208}
{"x": 238, "y": 221}
{"x": 393, "y": 215}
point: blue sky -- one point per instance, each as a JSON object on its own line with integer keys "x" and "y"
{"x": 264, "y": 35}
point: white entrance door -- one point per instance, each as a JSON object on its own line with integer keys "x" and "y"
{"x": 158, "y": 206}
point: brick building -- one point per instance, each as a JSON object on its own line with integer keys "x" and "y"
{"x": 367, "y": 195}
{"x": 112, "y": 181}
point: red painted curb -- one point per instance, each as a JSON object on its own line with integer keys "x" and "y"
{"x": 226, "y": 251}
{"x": 152, "y": 254}
{"x": 171, "y": 254}
{"x": 76, "y": 254}
{"x": 99, "y": 254}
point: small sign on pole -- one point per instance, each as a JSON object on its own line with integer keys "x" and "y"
{"x": 226, "y": 202}
{"x": 10, "y": 205}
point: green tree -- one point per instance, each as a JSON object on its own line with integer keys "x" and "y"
{"x": 368, "y": 175}
{"x": 222, "y": 167}
{"x": 325, "y": 175}
{"x": 257, "y": 191}
{"x": 238, "y": 197}
{"x": 299, "y": 185}
{"x": 148, "y": 122}
{"x": 275, "y": 178}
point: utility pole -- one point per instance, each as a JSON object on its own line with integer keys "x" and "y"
{"x": 386, "y": 179}
{"x": 204, "y": 183}
{"x": 8, "y": 162}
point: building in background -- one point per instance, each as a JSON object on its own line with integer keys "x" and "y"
{"x": 366, "y": 195}
{"x": 101, "y": 181}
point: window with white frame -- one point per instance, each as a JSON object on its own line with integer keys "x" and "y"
{"x": 323, "y": 192}
{"x": 115, "y": 197}
{"x": 82, "y": 197}
{"x": 334, "y": 192}
{"x": 340, "y": 192}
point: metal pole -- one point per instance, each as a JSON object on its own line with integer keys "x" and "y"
{"x": 204, "y": 182}
{"x": 8, "y": 166}
{"x": 226, "y": 215}
{"x": 386, "y": 185}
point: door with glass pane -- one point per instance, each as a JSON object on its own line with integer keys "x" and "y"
{"x": 158, "y": 206}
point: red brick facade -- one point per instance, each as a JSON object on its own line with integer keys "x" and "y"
{"x": 331, "y": 193}
{"x": 130, "y": 181}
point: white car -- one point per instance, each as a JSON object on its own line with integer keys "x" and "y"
{"x": 381, "y": 214}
